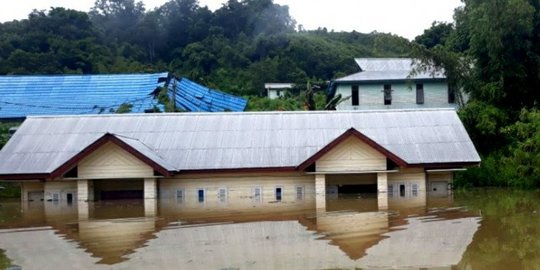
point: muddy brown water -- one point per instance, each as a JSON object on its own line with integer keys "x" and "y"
{"x": 478, "y": 229}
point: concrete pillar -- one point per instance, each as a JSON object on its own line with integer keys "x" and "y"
{"x": 83, "y": 210}
{"x": 150, "y": 188}
{"x": 382, "y": 201}
{"x": 150, "y": 207}
{"x": 24, "y": 194}
{"x": 382, "y": 188}
{"x": 320, "y": 192}
{"x": 83, "y": 190}
{"x": 382, "y": 182}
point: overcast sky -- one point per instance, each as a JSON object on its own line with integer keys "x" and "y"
{"x": 407, "y": 18}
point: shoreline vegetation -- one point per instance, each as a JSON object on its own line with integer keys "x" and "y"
{"x": 487, "y": 53}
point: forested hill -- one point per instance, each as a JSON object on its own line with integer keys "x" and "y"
{"x": 236, "y": 48}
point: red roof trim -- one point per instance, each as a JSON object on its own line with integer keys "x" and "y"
{"x": 352, "y": 132}
{"x": 244, "y": 170}
{"x": 448, "y": 165}
{"x": 26, "y": 176}
{"x": 108, "y": 137}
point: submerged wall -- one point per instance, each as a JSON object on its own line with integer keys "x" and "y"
{"x": 238, "y": 190}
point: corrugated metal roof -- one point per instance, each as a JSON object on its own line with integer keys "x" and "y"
{"x": 21, "y": 96}
{"x": 399, "y": 75}
{"x": 388, "y": 69}
{"x": 146, "y": 151}
{"x": 384, "y": 64}
{"x": 205, "y": 141}
{"x": 194, "y": 97}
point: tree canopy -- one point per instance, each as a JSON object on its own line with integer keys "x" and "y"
{"x": 492, "y": 51}
{"x": 236, "y": 48}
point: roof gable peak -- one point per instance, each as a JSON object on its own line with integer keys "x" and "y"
{"x": 351, "y": 132}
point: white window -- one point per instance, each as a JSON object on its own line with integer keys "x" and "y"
{"x": 401, "y": 190}
{"x": 179, "y": 195}
{"x": 257, "y": 194}
{"x": 414, "y": 189}
{"x": 299, "y": 193}
{"x": 391, "y": 190}
{"x": 55, "y": 197}
{"x": 279, "y": 193}
{"x": 201, "y": 195}
{"x": 222, "y": 195}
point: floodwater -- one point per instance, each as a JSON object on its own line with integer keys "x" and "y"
{"x": 479, "y": 229}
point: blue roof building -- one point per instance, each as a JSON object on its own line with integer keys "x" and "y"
{"x": 193, "y": 97}
{"x": 22, "y": 96}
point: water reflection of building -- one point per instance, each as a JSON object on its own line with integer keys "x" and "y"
{"x": 279, "y": 235}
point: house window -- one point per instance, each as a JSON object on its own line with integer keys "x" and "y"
{"x": 419, "y": 93}
{"x": 222, "y": 195}
{"x": 279, "y": 193}
{"x": 402, "y": 190}
{"x": 257, "y": 194}
{"x": 278, "y": 93}
{"x": 387, "y": 94}
{"x": 414, "y": 190}
{"x": 355, "y": 96}
{"x": 200, "y": 195}
{"x": 179, "y": 195}
{"x": 299, "y": 193}
{"x": 451, "y": 95}
{"x": 55, "y": 197}
{"x": 391, "y": 190}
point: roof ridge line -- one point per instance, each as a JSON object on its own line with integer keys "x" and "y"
{"x": 367, "y": 111}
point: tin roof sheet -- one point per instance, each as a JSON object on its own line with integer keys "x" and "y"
{"x": 388, "y": 69}
{"x": 206, "y": 141}
{"x": 21, "y": 96}
{"x": 194, "y": 97}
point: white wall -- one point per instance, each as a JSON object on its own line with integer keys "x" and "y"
{"x": 62, "y": 188}
{"x": 351, "y": 155}
{"x": 407, "y": 177}
{"x": 239, "y": 188}
{"x": 404, "y": 95}
{"x": 112, "y": 162}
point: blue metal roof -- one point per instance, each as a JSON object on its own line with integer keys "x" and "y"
{"x": 193, "y": 97}
{"x": 21, "y": 96}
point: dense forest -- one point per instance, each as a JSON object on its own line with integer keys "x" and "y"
{"x": 236, "y": 48}
{"x": 491, "y": 52}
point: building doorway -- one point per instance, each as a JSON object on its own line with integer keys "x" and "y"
{"x": 119, "y": 189}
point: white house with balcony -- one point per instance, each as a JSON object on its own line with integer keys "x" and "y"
{"x": 389, "y": 83}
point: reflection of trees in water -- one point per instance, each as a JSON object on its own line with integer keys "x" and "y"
{"x": 509, "y": 234}
{"x": 5, "y": 262}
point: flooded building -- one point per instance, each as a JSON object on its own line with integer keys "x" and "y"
{"x": 233, "y": 159}
{"x": 394, "y": 83}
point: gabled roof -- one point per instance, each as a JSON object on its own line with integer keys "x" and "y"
{"x": 388, "y": 69}
{"x": 351, "y": 133}
{"x": 194, "y": 97}
{"x": 241, "y": 141}
{"x": 133, "y": 146}
{"x": 21, "y": 96}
